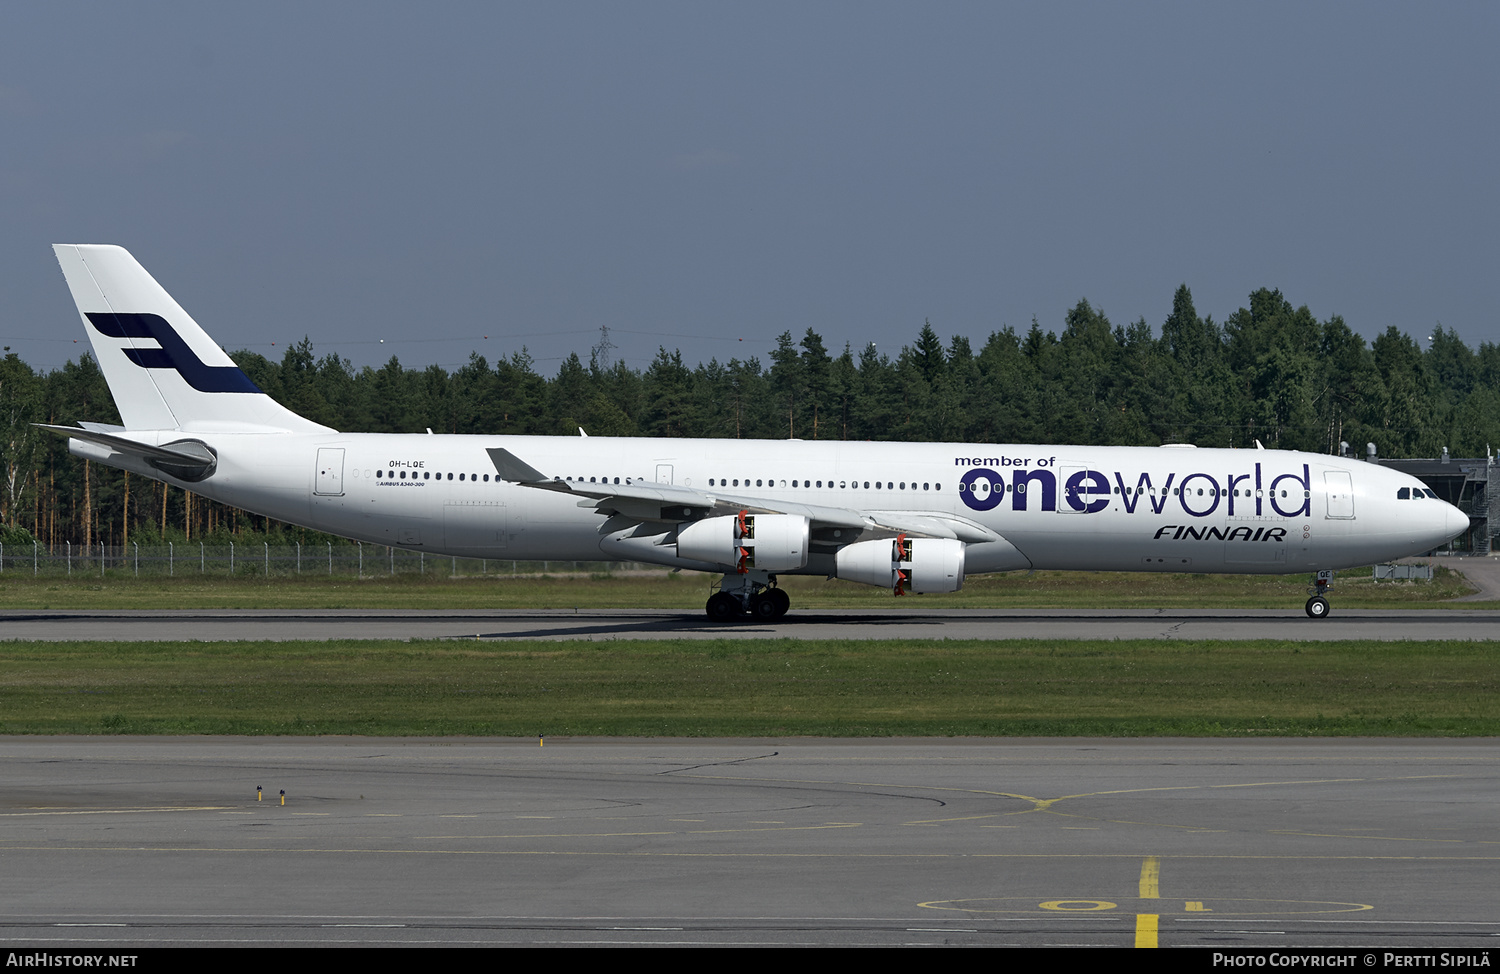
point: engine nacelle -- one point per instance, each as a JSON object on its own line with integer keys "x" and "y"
{"x": 917, "y": 564}
{"x": 769, "y": 542}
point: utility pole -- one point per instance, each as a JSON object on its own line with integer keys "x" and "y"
{"x": 601, "y": 357}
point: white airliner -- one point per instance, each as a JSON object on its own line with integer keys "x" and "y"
{"x": 909, "y": 517}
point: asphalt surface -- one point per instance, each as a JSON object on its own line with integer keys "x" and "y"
{"x": 278, "y": 624}
{"x": 119, "y": 841}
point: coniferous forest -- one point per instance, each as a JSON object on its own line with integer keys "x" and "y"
{"x": 1270, "y": 372}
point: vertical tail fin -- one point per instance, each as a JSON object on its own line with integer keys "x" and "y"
{"x": 163, "y": 370}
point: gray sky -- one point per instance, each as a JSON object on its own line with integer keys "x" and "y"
{"x": 705, "y": 176}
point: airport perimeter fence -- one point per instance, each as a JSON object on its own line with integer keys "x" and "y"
{"x": 273, "y": 561}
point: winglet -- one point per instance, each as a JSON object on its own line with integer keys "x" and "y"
{"x": 513, "y": 468}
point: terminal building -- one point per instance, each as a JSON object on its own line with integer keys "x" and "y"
{"x": 1463, "y": 482}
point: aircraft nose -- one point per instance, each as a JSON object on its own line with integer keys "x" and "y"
{"x": 1455, "y": 522}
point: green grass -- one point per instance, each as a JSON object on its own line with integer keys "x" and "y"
{"x": 753, "y": 688}
{"x": 689, "y": 590}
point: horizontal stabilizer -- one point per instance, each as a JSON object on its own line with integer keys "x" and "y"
{"x": 189, "y": 460}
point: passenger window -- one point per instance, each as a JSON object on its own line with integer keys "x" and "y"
{"x": 1403, "y": 494}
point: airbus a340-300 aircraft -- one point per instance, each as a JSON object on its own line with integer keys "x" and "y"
{"x": 909, "y": 517}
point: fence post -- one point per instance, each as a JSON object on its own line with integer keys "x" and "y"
{"x": 361, "y": 546}
{"x": 33, "y": 558}
{"x": 137, "y": 558}
{"x": 422, "y": 563}
{"x": 330, "y": 557}
{"x": 172, "y": 560}
{"x": 2, "y": 556}
{"x": 268, "y": 558}
{"x": 101, "y": 561}
{"x": 299, "y": 558}
{"x": 391, "y": 552}
{"x": 202, "y": 560}
{"x": 70, "y": 557}
{"x": 231, "y": 558}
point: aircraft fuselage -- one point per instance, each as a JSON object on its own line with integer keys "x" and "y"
{"x": 1087, "y": 508}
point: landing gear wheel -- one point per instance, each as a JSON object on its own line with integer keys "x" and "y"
{"x": 1317, "y": 607}
{"x": 782, "y": 601}
{"x": 765, "y": 607}
{"x": 722, "y": 607}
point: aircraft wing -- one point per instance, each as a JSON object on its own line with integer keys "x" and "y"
{"x": 643, "y": 501}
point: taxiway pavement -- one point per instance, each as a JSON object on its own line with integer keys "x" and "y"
{"x": 120, "y": 841}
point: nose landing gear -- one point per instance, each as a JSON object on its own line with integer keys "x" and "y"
{"x": 1317, "y": 606}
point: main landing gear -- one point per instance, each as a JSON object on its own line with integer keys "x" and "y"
{"x": 1317, "y": 606}
{"x": 754, "y": 593}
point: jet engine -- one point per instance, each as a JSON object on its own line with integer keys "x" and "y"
{"x": 904, "y": 564}
{"x": 768, "y": 542}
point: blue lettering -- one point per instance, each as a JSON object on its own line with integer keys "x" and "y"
{"x": 1084, "y": 484}
{"x": 981, "y": 489}
{"x": 1213, "y": 493}
{"x": 1047, "y": 482}
{"x": 1305, "y": 482}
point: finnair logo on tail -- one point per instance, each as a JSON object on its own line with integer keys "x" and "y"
{"x": 173, "y": 354}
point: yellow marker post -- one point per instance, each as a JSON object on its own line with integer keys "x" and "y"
{"x": 283, "y": 796}
{"x": 541, "y": 742}
{"x": 257, "y": 792}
